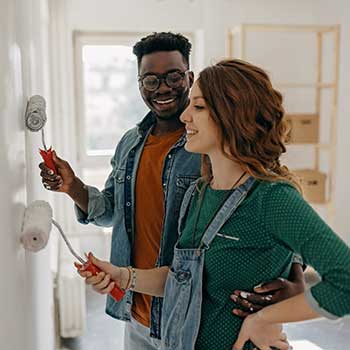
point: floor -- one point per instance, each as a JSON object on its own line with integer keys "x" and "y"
{"x": 105, "y": 333}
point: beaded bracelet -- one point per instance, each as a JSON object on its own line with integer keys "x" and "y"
{"x": 133, "y": 278}
{"x": 129, "y": 278}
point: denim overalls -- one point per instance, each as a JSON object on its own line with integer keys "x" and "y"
{"x": 183, "y": 290}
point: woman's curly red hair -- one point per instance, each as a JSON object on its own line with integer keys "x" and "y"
{"x": 248, "y": 113}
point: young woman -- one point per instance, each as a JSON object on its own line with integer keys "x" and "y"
{"x": 239, "y": 224}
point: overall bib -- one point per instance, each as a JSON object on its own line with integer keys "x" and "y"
{"x": 181, "y": 314}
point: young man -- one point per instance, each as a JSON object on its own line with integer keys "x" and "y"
{"x": 142, "y": 196}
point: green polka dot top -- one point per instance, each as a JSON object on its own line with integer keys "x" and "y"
{"x": 256, "y": 245}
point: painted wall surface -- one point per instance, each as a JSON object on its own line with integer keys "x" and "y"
{"x": 26, "y": 293}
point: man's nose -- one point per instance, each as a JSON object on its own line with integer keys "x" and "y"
{"x": 163, "y": 87}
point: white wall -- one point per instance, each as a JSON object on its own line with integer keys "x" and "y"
{"x": 26, "y": 300}
{"x": 213, "y": 17}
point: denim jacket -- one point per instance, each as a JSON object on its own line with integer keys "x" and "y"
{"x": 115, "y": 206}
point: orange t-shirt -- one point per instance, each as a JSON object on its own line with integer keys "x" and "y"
{"x": 149, "y": 213}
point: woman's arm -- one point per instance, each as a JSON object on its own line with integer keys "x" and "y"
{"x": 254, "y": 326}
{"x": 150, "y": 281}
{"x": 295, "y": 223}
{"x": 290, "y": 310}
{"x": 298, "y": 226}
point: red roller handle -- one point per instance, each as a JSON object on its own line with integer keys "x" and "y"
{"x": 47, "y": 157}
{"x": 116, "y": 292}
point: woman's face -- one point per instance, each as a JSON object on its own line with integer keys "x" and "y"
{"x": 202, "y": 133}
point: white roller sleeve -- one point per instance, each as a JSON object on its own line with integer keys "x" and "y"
{"x": 36, "y": 113}
{"x": 37, "y": 225}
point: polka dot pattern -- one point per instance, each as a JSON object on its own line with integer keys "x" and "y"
{"x": 256, "y": 245}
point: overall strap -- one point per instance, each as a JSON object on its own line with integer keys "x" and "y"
{"x": 226, "y": 211}
{"x": 185, "y": 204}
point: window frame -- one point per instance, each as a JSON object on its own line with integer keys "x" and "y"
{"x": 81, "y": 38}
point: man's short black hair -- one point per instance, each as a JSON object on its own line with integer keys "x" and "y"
{"x": 162, "y": 41}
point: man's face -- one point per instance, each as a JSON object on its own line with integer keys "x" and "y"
{"x": 166, "y": 102}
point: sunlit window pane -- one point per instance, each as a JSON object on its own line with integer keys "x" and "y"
{"x": 112, "y": 100}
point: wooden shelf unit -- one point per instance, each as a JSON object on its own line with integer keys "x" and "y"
{"x": 240, "y": 32}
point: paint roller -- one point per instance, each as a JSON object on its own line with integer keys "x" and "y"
{"x": 37, "y": 224}
{"x": 35, "y": 119}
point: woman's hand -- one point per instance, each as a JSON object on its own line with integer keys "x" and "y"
{"x": 264, "y": 335}
{"x": 104, "y": 281}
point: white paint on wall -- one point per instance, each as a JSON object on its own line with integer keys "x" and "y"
{"x": 26, "y": 293}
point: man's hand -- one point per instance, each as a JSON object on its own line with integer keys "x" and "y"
{"x": 64, "y": 179}
{"x": 269, "y": 293}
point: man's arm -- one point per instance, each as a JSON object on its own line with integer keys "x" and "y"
{"x": 79, "y": 193}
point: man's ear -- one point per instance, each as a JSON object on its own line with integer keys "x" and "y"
{"x": 190, "y": 78}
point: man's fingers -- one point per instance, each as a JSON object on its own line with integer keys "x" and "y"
{"x": 272, "y": 286}
{"x": 48, "y": 176}
{"x": 245, "y": 304}
{"x": 46, "y": 169}
{"x": 241, "y": 313}
{"x": 56, "y": 158}
{"x": 254, "y": 298}
{"x": 59, "y": 162}
{"x": 52, "y": 183}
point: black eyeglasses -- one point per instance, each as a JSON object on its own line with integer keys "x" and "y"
{"x": 151, "y": 82}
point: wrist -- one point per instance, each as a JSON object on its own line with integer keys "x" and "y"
{"x": 261, "y": 316}
{"x": 132, "y": 281}
{"x": 75, "y": 187}
{"x": 125, "y": 276}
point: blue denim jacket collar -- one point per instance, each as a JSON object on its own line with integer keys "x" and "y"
{"x": 146, "y": 123}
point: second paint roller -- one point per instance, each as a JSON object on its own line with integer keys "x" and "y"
{"x": 37, "y": 224}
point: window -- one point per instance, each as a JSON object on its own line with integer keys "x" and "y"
{"x": 108, "y": 100}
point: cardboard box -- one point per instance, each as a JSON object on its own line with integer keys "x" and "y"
{"x": 304, "y": 128}
{"x": 314, "y": 185}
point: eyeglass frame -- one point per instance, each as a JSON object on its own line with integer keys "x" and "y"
{"x": 161, "y": 78}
